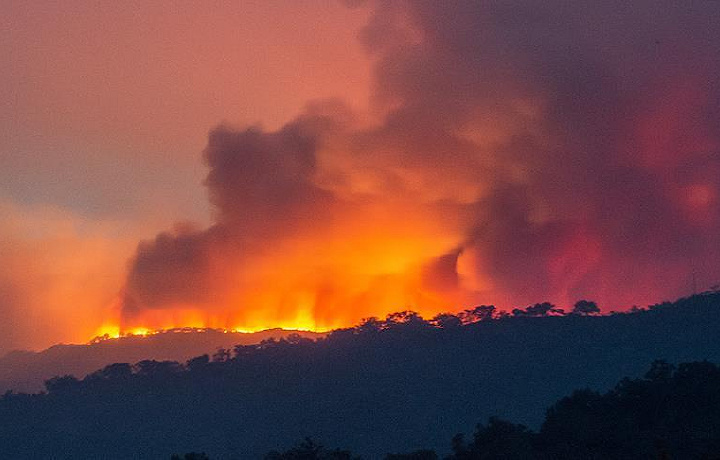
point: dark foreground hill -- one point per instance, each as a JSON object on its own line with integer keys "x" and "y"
{"x": 670, "y": 413}
{"x": 26, "y": 371}
{"x": 393, "y": 386}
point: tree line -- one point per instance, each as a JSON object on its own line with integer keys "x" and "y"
{"x": 670, "y": 413}
{"x": 400, "y": 385}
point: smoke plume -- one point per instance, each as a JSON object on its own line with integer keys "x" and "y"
{"x": 516, "y": 152}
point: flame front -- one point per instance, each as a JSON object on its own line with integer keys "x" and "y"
{"x": 503, "y": 162}
{"x": 313, "y": 284}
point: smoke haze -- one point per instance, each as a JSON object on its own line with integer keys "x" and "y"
{"x": 518, "y": 152}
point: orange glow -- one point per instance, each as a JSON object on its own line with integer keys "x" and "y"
{"x": 355, "y": 269}
{"x": 359, "y": 163}
{"x": 111, "y": 331}
{"x": 159, "y": 321}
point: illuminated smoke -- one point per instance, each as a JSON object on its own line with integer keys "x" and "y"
{"x": 521, "y": 152}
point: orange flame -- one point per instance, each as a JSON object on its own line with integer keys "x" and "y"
{"x": 302, "y": 285}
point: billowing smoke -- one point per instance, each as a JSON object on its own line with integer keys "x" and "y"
{"x": 517, "y": 152}
{"x": 261, "y": 185}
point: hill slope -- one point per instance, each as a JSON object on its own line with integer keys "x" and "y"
{"x": 26, "y": 371}
{"x": 409, "y": 385}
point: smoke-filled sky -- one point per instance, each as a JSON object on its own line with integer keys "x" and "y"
{"x": 308, "y": 164}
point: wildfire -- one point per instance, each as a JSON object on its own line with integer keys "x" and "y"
{"x": 316, "y": 282}
{"x": 189, "y": 321}
{"x": 108, "y": 331}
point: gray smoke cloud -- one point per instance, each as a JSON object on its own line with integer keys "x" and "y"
{"x": 558, "y": 150}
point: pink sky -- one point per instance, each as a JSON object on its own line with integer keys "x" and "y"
{"x": 106, "y": 109}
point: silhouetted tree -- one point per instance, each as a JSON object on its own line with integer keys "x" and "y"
{"x": 539, "y": 309}
{"x": 369, "y": 325}
{"x": 117, "y": 371}
{"x": 496, "y": 440}
{"x": 585, "y": 307}
{"x": 407, "y": 317}
{"x": 446, "y": 321}
{"x": 671, "y": 412}
{"x": 310, "y": 450}
{"x": 479, "y": 313}
{"x": 221, "y": 355}
{"x": 660, "y": 371}
{"x": 198, "y": 362}
{"x": 61, "y": 384}
{"x": 347, "y": 335}
{"x": 297, "y": 339}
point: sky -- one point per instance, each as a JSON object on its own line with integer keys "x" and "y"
{"x": 308, "y": 164}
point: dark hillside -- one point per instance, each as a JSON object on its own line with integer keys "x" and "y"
{"x": 27, "y": 371}
{"x": 389, "y": 386}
